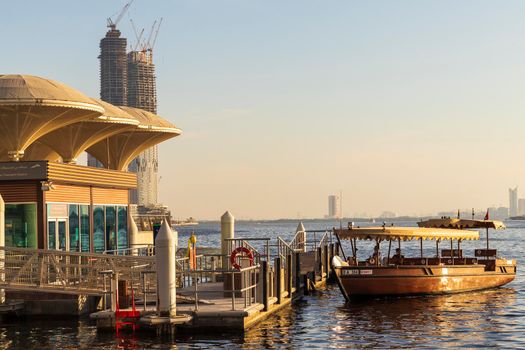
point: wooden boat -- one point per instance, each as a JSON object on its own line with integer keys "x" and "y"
{"x": 446, "y": 272}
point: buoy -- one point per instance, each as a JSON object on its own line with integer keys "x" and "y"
{"x": 233, "y": 256}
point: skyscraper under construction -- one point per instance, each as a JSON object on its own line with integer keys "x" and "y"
{"x": 129, "y": 80}
{"x": 142, "y": 93}
{"x": 113, "y": 73}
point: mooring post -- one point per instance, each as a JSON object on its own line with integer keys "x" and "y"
{"x": 2, "y": 245}
{"x": 133, "y": 235}
{"x": 326, "y": 260}
{"x": 301, "y": 236}
{"x": 278, "y": 279}
{"x": 297, "y": 272}
{"x": 227, "y": 232}
{"x": 266, "y": 285}
{"x": 165, "y": 249}
{"x": 319, "y": 260}
{"x": 289, "y": 275}
{"x": 114, "y": 291}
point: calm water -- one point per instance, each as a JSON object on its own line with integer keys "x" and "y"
{"x": 489, "y": 319}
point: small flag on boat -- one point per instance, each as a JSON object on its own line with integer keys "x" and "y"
{"x": 458, "y": 214}
{"x": 486, "y": 215}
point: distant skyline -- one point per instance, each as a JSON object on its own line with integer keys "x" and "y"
{"x": 405, "y": 106}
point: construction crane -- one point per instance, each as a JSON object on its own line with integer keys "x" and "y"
{"x": 137, "y": 35}
{"x": 155, "y": 36}
{"x": 112, "y": 24}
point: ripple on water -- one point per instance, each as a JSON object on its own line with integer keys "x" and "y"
{"x": 487, "y": 319}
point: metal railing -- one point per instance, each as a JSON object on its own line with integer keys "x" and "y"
{"x": 69, "y": 272}
{"x": 238, "y": 285}
{"x": 259, "y": 256}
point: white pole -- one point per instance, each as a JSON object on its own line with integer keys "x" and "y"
{"x": 302, "y": 236}
{"x": 165, "y": 249}
{"x": 2, "y": 244}
{"x": 227, "y": 231}
{"x": 133, "y": 235}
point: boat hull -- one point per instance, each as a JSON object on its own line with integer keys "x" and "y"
{"x": 373, "y": 281}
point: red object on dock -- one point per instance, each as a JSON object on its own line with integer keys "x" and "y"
{"x": 127, "y": 317}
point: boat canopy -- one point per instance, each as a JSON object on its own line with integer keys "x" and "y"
{"x": 394, "y": 233}
{"x": 461, "y": 223}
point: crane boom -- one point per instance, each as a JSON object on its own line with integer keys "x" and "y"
{"x": 156, "y": 34}
{"x": 146, "y": 46}
{"x": 113, "y": 23}
{"x": 137, "y": 35}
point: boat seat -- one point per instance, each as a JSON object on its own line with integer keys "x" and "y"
{"x": 433, "y": 261}
{"x": 485, "y": 253}
{"x": 414, "y": 261}
{"x": 452, "y": 253}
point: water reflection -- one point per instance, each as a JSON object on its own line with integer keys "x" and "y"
{"x": 457, "y": 320}
{"x": 493, "y": 318}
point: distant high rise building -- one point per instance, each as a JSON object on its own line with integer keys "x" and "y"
{"x": 334, "y": 206}
{"x": 113, "y": 73}
{"x": 521, "y": 206}
{"x": 142, "y": 93}
{"x": 513, "y": 201}
{"x": 502, "y": 213}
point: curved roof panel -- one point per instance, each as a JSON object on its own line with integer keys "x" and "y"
{"x": 71, "y": 140}
{"x": 31, "y": 107}
{"x": 117, "y": 151}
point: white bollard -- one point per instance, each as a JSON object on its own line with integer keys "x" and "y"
{"x": 227, "y": 231}
{"x": 301, "y": 238}
{"x": 165, "y": 249}
{"x": 133, "y": 236}
{"x": 2, "y": 244}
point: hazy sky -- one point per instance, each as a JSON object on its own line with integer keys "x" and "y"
{"x": 408, "y": 106}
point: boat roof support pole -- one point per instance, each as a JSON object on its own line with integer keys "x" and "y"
{"x": 487, "y": 238}
{"x": 437, "y": 248}
{"x": 388, "y": 256}
{"x": 421, "y": 246}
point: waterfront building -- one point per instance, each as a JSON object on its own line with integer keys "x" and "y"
{"x": 502, "y": 213}
{"x": 52, "y": 203}
{"x": 521, "y": 206}
{"x": 513, "y": 201}
{"x": 334, "y": 206}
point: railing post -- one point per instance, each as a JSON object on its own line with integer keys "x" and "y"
{"x": 279, "y": 279}
{"x": 297, "y": 272}
{"x": 289, "y": 275}
{"x": 265, "y": 285}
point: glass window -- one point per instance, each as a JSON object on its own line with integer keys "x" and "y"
{"x": 21, "y": 225}
{"x": 111, "y": 226}
{"x": 98, "y": 229}
{"x": 84, "y": 228}
{"x": 122, "y": 227}
{"x": 74, "y": 229}
{"x": 52, "y": 235}
{"x": 62, "y": 238}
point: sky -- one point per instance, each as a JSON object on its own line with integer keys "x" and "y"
{"x": 407, "y": 106}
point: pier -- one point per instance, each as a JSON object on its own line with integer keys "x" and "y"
{"x": 211, "y": 294}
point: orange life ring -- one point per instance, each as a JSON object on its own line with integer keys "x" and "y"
{"x": 233, "y": 256}
{"x": 371, "y": 261}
